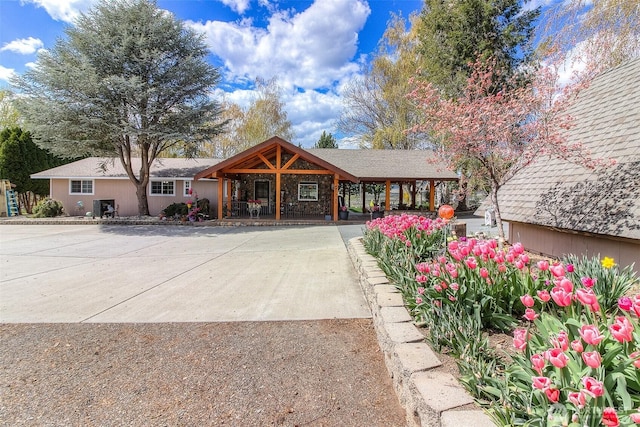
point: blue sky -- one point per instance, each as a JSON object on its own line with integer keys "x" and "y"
{"x": 313, "y": 48}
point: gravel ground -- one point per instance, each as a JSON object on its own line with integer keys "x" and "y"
{"x": 304, "y": 373}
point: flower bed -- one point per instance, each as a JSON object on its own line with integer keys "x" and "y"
{"x": 576, "y": 359}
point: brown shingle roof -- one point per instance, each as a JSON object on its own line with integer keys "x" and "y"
{"x": 372, "y": 165}
{"x": 564, "y": 195}
{"x": 161, "y": 168}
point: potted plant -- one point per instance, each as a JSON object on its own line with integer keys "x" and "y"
{"x": 343, "y": 214}
{"x": 374, "y": 208}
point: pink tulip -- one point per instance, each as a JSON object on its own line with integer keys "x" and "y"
{"x": 502, "y": 268}
{"x": 569, "y": 268}
{"x": 565, "y": 284}
{"x": 421, "y": 278}
{"x": 592, "y": 359}
{"x": 590, "y": 334}
{"x": 622, "y": 329}
{"x": 592, "y": 387}
{"x": 635, "y": 357}
{"x": 541, "y": 383}
{"x": 543, "y": 265}
{"x": 455, "y": 286}
{"x": 635, "y": 417}
{"x": 556, "y": 357}
{"x": 576, "y": 345}
{"x": 578, "y": 398}
{"x": 519, "y": 264}
{"x": 421, "y": 290}
{"x": 538, "y": 362}
{"x": 561, "y": 341}
{"x": 484, "y": 273}
{"x": 586, "y": 296}
{"x": 418, "y": 300}
{"x": 625, "y": 303}
{"x": 530, "y": 314}
{"x": 471, "y": 263}
{"x": 527, "y": 300}
{"x": 520, "y": 337}
{"x": 557, "y": 270}
{"x": 561, "y": 297}
{"x": 544, "y": 296}
{"x": 588, "y": 282}
{"x": 553, "y": 394}
{"x": 610, "y": 417}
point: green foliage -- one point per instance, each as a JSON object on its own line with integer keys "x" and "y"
{"x": 326, "y": 141}
{"x": 610, "y": 283}
{"x": 128, "y": 80}
{"x": 176, "y": 209}
{"x": 454, "y": 34}
{"x": 19, "y": 158}
{"x": 48, "y": 208}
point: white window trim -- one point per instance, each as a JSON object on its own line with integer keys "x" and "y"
{"x": 93, "y": 187}
{"x": 186, "y": 185}
{"x": 162, "y": 195}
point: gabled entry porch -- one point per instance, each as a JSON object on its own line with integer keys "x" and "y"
{"x": 278, "y": 180}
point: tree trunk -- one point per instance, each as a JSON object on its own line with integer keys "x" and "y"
{"x": 496, "y": 211}
{"x": 143, "y": 203}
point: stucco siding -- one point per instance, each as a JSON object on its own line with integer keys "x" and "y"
{"x": 122, "y": 191}
{"x": 554, "y": 243}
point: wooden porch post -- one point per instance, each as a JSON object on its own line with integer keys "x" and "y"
{"x": 401, "y": 193}
{"x": 387, "y": 195}
{"x": 432, "y": 195}
{"x": 278, "y": 181}
{"x": 229, "y": 197}
{"x": 413, "y": 194}
{"x": 336, "y": 183}
{"x": 363, "y": 187}
{"x": 220, "y": 196}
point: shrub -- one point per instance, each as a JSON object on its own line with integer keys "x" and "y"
{"x": 174, "y": 209}
{"x": 48, "y": 208}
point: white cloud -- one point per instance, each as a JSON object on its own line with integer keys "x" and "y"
{"x": 6, "y": 73}
{"x": 23, "y": 46}
{"x": 239, "y": 6}
{"x": 63, "y": 10}
{"x": 310, "y": 49}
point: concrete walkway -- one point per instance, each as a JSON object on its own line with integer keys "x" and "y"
{"x": 112, "y": 273}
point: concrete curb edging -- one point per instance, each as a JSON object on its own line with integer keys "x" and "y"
{"x": 429, "y": 397}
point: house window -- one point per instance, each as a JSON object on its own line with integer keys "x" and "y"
{"x": 81, "y": 186}
{"x": 187, "y": 187}
{"x": 308, "y": 191}
{"x": 163, "y": 188}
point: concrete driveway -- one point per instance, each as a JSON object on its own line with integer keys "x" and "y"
{"x": 140, "y": 273}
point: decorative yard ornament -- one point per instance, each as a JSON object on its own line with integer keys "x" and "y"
{"x": 445, "y": 212}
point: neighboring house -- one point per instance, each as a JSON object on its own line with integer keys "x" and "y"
{"x": 79, "y": 183}
{"x": 555, "y": 207}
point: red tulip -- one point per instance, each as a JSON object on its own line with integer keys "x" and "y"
{"x": 610, "y": 418}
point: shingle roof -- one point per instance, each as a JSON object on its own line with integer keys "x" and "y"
{"x": 371, "y": 165}
{"x": 564, "y": 195}
{"x": 161, "y": 168}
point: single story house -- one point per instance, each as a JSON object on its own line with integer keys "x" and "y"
{"x": 283, "y": 179}
{"x": 555, "y": 207}
{"x": 78, "y": 184}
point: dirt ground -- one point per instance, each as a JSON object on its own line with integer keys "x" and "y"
{"x": 304, "y": 373}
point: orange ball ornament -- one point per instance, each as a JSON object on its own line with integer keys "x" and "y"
{"x": 445, "y": 212}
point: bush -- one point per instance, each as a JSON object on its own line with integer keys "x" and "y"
{"x": 48, "y": 208}
{"x": 174, "y": 209}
